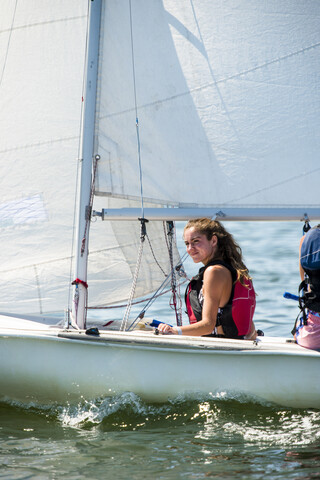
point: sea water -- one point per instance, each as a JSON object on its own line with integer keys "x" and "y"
{"x": 222, "y": 438}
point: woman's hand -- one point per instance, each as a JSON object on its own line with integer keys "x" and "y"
{"x": 167, "y": 329}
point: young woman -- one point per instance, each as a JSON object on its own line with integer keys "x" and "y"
{"x": 220, "y": 299}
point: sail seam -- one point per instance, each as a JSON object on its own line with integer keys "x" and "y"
{"x": 61, "y": 259}
{"x": 32, "y": 145}
{"x": 39, "y": 24}
{"x": 211, "y": 84}
{"x": 278, "y": 184}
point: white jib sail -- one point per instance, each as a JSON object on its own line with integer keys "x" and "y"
{"x": 42, "y": 51}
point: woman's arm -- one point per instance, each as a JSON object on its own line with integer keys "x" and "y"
{"x": 217, "y": 286}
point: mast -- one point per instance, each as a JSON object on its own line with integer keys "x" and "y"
{"x": 87, "y": 144}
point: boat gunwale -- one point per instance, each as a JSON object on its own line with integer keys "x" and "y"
{"x": 149, "y": 341}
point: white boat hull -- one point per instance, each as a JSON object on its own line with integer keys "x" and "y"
{"x": 42, "y": 364}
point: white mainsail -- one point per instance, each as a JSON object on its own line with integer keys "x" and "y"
{"x": 227, "y": 99}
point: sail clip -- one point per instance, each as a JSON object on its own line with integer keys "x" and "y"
{"x": 143, "y": 231}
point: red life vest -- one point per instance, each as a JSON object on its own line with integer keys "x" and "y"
{"x": 235, "y": 317}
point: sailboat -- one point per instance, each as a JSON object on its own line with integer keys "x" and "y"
{"x": 119, "y": 118}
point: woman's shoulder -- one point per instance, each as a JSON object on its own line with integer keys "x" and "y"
{"x": 217, "y": 283}
{"x": 217, "y": 272}
{"x": 221, "y": 266}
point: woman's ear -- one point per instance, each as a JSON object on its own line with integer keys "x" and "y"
{"x": 214, "y": 240}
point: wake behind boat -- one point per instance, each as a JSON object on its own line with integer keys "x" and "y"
{"x": 117, "y": 119}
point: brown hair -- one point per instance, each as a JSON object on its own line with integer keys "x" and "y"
{"x": 228, "y": 249}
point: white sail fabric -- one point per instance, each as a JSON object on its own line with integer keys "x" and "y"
{"x": 113, "y": 257}
{"x": 42, "y": 61}
{"x": 42, "y": 51}
{"x": 228, "y": 102}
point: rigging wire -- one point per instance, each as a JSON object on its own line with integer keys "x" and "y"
{"x": 143, "y": 233}
{"x": 143, "y": 221}
{"x": 136, "y": 110}
{"x": 154, "y": 256}
{"x": 136, "y": 274}
{"x": 179, "y": 269}
{"x": 8, "y": 43}
{"x": 73, "y": 235}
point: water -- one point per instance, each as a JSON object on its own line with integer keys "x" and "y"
{"x": 221, "y": 438}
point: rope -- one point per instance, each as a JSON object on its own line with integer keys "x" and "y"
{"x": 136, "y": 274}
{"x": 178, "y": 268}
{"x": 73, "y": 236}
{"x": 175, "y": 290}
{"x": 143, "y": 221}
{"x": 77, "y": 281}
{"x": 154, "y": 257}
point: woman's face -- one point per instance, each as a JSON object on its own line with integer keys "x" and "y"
{"x": 199, "y": 247}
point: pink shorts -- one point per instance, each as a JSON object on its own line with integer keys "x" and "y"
{"x": 308, "y": 336}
